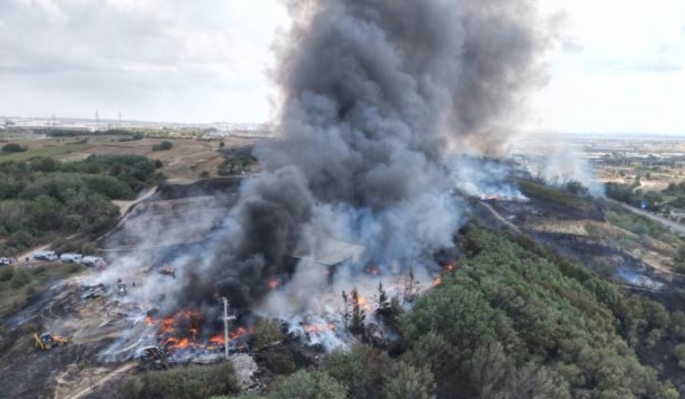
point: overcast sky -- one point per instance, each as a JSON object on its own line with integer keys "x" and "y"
{"x": 619, "y": 68}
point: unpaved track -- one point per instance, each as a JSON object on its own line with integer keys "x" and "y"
{"x": 93, "y": 385}
{"x": 499, "y": 217}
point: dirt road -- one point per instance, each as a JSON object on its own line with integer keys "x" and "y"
{"x": 91, "y": 384}
{"x": 669, "y": 224}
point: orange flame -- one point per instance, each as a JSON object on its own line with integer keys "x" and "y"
{"x": 319, "y": 328}
{"x": 238, "y": 332}
{"x": 273, "y": 283}
{"x": 437, "y": 281}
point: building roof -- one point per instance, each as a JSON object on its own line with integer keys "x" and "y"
{"x": 332, "y": 252}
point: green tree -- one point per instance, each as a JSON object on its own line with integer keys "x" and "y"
{"x": 266, "y": 332}
{"x": 352, "y": 370}
{"x": 679, "y": 353}
{"x": 163, "y": 146}
{"x": 13, "y": 147}
{"x": 404, "y": 381}
{"x": 316, "y": 385}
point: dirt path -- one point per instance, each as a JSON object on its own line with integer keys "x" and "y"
{"x": 125, "y": 206}
{"x": 93, "y": 384}
{"x": 500, "y": 217}
{"x": 29, "y": 254}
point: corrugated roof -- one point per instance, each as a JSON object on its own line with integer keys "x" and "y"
{"x": 332, "y": 252}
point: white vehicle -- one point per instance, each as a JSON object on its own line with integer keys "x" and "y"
{"x": 71, "y": 258}
{"x": 92, "y": 261}
{"x": 5, "y": 261}
{"x": 45, "y": 255}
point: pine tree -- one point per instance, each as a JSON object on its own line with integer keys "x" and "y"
{"x": 357, "y": 325}
{"x": 383, "y": 303}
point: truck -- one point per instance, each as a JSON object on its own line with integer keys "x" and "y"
{"x": 45, "y": 255}
{"x": 93, "y": 261}
{"x": 71, "y": 258}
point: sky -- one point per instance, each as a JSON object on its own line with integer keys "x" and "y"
{"x": 617, "y": 67}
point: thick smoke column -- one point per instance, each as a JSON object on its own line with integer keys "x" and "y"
{"x": 373, "y": 92}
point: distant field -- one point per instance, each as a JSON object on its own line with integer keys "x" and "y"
{"x": 186, "y": 160}
{"x": 48, "y": 151}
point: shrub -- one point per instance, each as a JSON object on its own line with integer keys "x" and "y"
{"x": 280, "y": 362}
{"x": 304, "y": 385}
{"x": 679, "y": 353}
{"x": 20, "y": 278}
{"x": 266, "y": 332}
{"x": 6, "y": 274}
{"x": 192, "y": 382}
{"x": 13, "y": 147}
{"x": 163, "y": 146}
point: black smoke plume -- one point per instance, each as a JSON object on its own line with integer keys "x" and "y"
{"x": 372, "y": 94}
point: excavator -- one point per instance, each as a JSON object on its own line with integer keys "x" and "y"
{"x": 48, "y": 341}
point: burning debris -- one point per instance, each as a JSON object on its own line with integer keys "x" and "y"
{"x": 168, "y": 271}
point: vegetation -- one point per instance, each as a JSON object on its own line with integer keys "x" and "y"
{"x": 568, "y": 197}
{"x": 640, "y": 226}
{"x": 234, "y": 166}
{"x": 163, "y": 146}
{"x": 47, "y": 151}
{"x": 18, "y": 284}
{"x": 192, "y": 382}
{"x": 266, "y": 332}
{"x": 515, "y": 321}
{"x": 12, "y": 147}
{"x": 628, "y": 194}
{"x": 44, "y": 199}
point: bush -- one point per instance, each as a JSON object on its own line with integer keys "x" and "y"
{"x": 12, "y": 147}
{"x": 315, "y": 385}
{"x": 266, "y": 332}
{"x": 6, "y": 273}
{"x": 20, "y": 278}
{"x": 192, "y": 382}
{"x": 280, "y": 362}
{"x": 163, "y": 146}
{"x": 679, "y": 353}
{"x": 407, "y": 382}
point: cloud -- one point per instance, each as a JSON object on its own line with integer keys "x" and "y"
{"x": 618, "y": 69}
{"x": 196, "y": 48}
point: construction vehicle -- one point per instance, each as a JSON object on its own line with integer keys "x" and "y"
{"x": 48, "y": 341}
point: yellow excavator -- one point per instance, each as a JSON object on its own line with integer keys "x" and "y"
{"x": 48, "y": 341}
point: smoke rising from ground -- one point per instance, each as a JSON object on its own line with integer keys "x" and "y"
{"x": 375, "y": 95}
{"x": 373, "y": 92}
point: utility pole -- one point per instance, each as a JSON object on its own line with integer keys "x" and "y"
{"x": 227, "y": 318}
{"x": 97, "y": 120}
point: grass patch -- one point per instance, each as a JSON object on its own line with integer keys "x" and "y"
{"x": 538, "y": 191}
{"x": 641, "y": 226}
{"x": 48, "y": 151}
{"x": 18, "y": 284}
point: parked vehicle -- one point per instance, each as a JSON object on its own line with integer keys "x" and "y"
{"x": 93, "y": 261}
{"x": 71, "y": 258}
{"x": 5, "y": 261}
{"x": 45, "y": 255}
